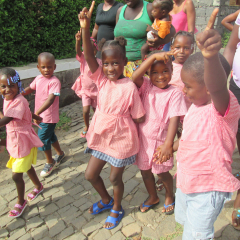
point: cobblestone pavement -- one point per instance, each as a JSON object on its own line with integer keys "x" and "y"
{"x": 60, "y": 212}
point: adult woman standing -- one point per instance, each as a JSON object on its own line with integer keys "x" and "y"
{"x": 232, "y": 54}
{"x": 132, "y": 20}
{"x": 183, "y": 17}
{"x": 105, "y": 21}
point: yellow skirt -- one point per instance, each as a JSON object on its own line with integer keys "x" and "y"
{"x": 21, "y": 165}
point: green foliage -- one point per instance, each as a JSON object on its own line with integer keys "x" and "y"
{"x": 30, "y": 27}
{"x": 225, "y": 38}
{"x": 64, "y": 121}
{"x": 3, "y": 135}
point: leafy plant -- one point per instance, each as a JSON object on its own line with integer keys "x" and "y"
{"x": 64, "y": 121}
{"x": 225, "y": 38}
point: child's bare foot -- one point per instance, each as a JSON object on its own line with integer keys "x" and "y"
{"x": 148, "y": 204}
{"x": 236, "y": 212}
{"x": 169, "y": 205}
{"x": 84, "y": 132}
{"x": 101, "y": 206}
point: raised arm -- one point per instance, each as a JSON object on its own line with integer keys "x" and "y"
{"x": 191, "y": 16}
{"x": 209, "y": 42}
{"x": 231, "y": 47}
{"x": 84, "y": 18}
{"x": 227, "y": 21}
{"x": 78, "y": 36}
{"x": 27, "y": 91}
{"x": 138, "y": 74}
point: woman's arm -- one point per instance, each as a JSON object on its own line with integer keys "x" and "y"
{"x": 231, "y": 47}
{"x": 95, "y": 31}
{"x": 118, "y": 12}
{"x": 191, "y": 16}
{"x": 226, "y": 22}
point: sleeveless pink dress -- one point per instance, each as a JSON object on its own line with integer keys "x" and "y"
{"x": 179, "y": 21}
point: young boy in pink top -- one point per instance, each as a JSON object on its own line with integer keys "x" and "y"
{"x": 204, "y": 157}
{"x": 47, "y": 89}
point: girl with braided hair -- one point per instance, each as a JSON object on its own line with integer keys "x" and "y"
{"x": 112, "y": 136}
{"x": 22, "y": 141}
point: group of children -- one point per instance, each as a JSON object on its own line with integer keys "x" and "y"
{"x": 135, "y": 122}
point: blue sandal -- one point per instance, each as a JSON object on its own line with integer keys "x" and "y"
{"x": 114, "y": 220}
{"x": 148, "y": 206}
{"x": 166, "y": 206}
{"x": 97, "y": 210}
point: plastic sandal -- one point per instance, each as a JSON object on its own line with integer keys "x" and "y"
{"x": 32, "y": 196}
{"x": 14, "y": 213}
{"x": 114, "y": 220}
{"x": 148, "y": 206}
{"x": 97, "y": 210}
{"x": 236, "y": 214}
{"x": 159, "y": 186}
{"x": 166, "y": 206}
{"x": 83, "y": 134}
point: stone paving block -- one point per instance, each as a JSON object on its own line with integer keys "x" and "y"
{"x": 16, "y": 223}
{"x": 50, "y": 192}
{"x": 65, "y": 201}
{"x": 127, "y": 175}
{"x": 148, "y": 217}
{"x": 75, "y": 190}
{"x": 117, "y": 228}
{"x": 129, "y": 186}
{"x": 101, "y": 218}
{"x": 166, "y": 227}
{"x": 219, "y": 227}
{"x": 56, "y": 229}
{"x": 66, "y": 186}
{"x": 90, "y": 227}
{"x": 43, "y": 203}
{"x": 117, "y": 236}
{"x": 3, "y": 233}
{"x": 69, "y": 216}
{"x": 138, "y": 198}
{"x": 59, "y": 195}
{"x": 178, "y": 237}
{"x": 77, "y": 236}
{"x": 30, "y": 212}
{"x": 79, "y": 222}
{"x": 64, "y": 171}
{"x": 34, "y": 222}
{"x": 82, "y": 168}
{"x": 127, "y": 220}
{"x": 4, "y": 210}
{"x": 133, "y": 168}
{"x": 52, "y": 219}
{"x": 80, "y": 202}
{"x": 230, "y": 233}
{"x": 47, "y": 238}
{"x": 16, "y": 234}
{"x": 49, "y": 209}
{"x": 10, "y": 196}
{"x": 79, "y": 179}
{"x": 65, "y": 233}
{"x": 37, "y": 200}
{"x": 81, "y": 195}
{"x": 40, "y": 232}
{"x": 5, "y": 190}
{"x": 149, "y": 233}
{"x": 92, "y": 235}
{"x": 85, "y": 206}
{"x": 26, "y": 236}
{"x": 64, "y": 209}
{"x": 102, "y": 234}
{"x": 131, "y": 230}
{"x": 4, "y": 221}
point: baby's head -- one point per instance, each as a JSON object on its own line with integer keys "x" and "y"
{"x": 113, "y": 57}
{"x": 46, "y": 64}
{"x": 160, "y": 73}
{"x": 10, "y": 83}
{"x": 192, "y": 75}
{"x": 161, "y": 8}
{"x": 183, "y": 45}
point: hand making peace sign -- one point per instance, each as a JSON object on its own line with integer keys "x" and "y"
{"x": 85, "y": 16}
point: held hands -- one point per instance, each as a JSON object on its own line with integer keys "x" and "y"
{"x": 78, "y": 35}
{"x": 85, "y": 16}
{"x": 209, "y": 41}
{"x": 163, "y": 153}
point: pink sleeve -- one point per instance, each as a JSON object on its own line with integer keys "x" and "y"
{"x": 238, "y": 20}
{"x": 81, "y": 58}
{"x": 54, "y": 87}
{"x": 137, "y": 110}
{"x": 145, "y": 86}
{"x": 16, "y": 109}
{"x": 98, "y": 77}
{"x": 33, "y": 84}
{"x": 177, "y": 105}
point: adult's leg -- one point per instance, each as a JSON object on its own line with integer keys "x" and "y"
{"x": 118, "y": 189}
{"x": 149, "y": 182}
{"x": 92, "y": 174}
{"x": 167, "y": 181}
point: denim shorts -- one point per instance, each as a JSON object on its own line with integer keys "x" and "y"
{"x": 47, "y": 135}
{"x": 198, "y": 212}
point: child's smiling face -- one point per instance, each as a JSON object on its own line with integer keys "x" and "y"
{"x": 113, "y": 63}
{"x": 8, "y": 91}
{"x": 161, "y": 74}
{"x": 183, "y": 48}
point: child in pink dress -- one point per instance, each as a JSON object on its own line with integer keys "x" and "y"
{"x": 112, "y": 136}
{"x": 84, "y": 86}
{"x": 22, "y": 141}
{"x": 164, "y": 105}
{"x": 204, "y": 157}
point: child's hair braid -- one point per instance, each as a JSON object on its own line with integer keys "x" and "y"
{"x": 186, "y": 34}
{"x": 118, "y": 42}
{"x": 14, "y": 77}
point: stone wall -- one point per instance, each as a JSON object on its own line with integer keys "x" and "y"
{"x": 204, "y": 9}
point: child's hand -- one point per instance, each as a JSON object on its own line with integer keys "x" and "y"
{"x": 209, "y": 41}
{"x": 165, "y": 153}
{"x": 149, "y": 28}
{"x": 85, "y": 16}
{"x": 157, "y": 153}
{"x": 164, "y": 56}
{"x": 78, "y": 35}
{"x": 1, "y": 115}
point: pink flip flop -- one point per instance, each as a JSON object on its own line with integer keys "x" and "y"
{"x": 14, "y": 213}
{"x": 32, "y": 196}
